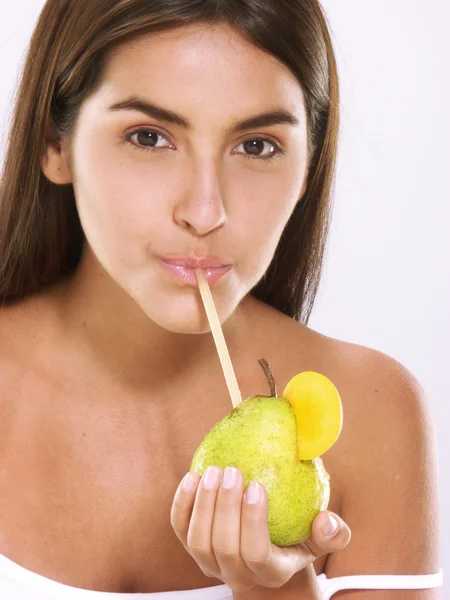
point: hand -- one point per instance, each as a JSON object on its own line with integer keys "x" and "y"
{"x": 227, "y": 533}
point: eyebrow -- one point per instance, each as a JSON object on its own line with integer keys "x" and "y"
{"x": 275, "y": 117}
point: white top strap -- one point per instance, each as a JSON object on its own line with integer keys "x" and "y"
{"x": 381, "y": 582}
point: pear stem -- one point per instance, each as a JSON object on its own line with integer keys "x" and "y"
{"x": 265, "y": 365}
{"x": 219, "y": 340}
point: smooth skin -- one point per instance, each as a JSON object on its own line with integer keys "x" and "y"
{"x": 106, "y": 393}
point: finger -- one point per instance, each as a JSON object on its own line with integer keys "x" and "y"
{"x": 256, "y": 547}
{"x": 199, "y": 538}
{"x": 326, "y": 536}
{"x": 226, "y": 531}
{"x": 183, "y": 503}
{"x": 329, "y": 533}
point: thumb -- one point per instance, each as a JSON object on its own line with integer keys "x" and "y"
{"x": 329, "y": 533}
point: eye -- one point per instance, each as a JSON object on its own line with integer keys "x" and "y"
{"x": 147, "y": 140}
{"x": 261, "y": 148}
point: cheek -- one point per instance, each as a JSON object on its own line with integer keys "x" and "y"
{"x": 269, "y": 199}
{"x": 119, "y": 200}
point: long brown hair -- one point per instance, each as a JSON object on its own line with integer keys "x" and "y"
{"x": 41, "y": 238}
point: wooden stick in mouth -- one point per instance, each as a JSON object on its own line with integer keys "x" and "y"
{"x": 219, "y": 340}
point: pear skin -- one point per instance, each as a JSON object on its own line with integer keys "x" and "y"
{"x": 259, "y": 437}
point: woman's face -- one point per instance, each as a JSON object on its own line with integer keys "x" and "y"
{"x": 177, "y": 173}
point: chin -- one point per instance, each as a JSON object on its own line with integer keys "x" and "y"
{"x": 186, "y": 323}
{"x": 184, "y": 314}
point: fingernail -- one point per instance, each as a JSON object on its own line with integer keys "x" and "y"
{"x": 211, "y": 479}
{"x": 230, "y": 478}
{"x": 189, "y": 482}
{"x": 253, "y": 492}
{"x": 330, "y": 526}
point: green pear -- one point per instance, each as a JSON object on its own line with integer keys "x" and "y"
{"x": 259, "y": 438}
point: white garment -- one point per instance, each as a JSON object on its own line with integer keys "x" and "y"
{"x": 17, "y": 583}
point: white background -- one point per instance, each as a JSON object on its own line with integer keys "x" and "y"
{"x": 386, "y": 282}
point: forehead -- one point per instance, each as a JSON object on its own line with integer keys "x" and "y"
{"x": 201, "y": 64}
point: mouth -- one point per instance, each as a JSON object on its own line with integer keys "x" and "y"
{"x": 183, "y": 269}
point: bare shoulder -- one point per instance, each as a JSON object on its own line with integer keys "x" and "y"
{"x": 387, "y": 470}
{"x": 13, "y": 345}
{"x": 18, "y": 324}
{"x": 376, "y": 389}
{"x": 384, "y": 405}
{"x": 384, "y": 464}
{"x": 12, "y": 357}
{"x": 366, "y": 376}
{"x": 23, "y": 327}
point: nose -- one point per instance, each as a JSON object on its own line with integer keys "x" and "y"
{"x": 201, "y": 209}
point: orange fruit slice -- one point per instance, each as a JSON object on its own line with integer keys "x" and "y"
{"x": 318, "y": 410}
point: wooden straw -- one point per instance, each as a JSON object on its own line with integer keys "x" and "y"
{"x": 221, "y": 346}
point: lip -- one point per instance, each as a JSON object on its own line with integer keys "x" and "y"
{"x": 192, "y": 262}
{"x": 183, "y": 268}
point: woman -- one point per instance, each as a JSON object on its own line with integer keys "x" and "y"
{"x": 149, "y": 138}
